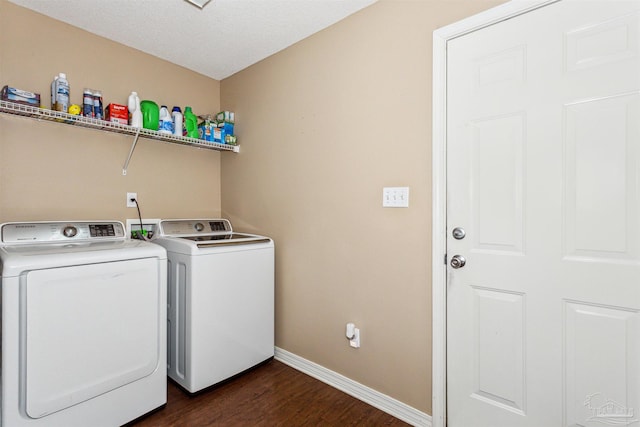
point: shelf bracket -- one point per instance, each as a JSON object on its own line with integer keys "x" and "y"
{"x": 133, "y": 147}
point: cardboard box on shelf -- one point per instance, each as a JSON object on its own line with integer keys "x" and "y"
{"x": 20, "y": 96}
{"x": 226, "y": 116}
{"x": 117, "y": 113}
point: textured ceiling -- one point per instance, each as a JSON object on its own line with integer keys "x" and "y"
{"x": 217, "y": 41}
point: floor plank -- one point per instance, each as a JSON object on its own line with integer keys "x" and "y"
{"x": 273, "y": 394}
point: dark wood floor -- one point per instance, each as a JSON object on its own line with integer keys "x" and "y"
{"x": 273, "y": 394}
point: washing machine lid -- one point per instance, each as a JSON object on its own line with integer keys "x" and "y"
{"x": 200, "y": 236}
{"x": 226, "y": 239}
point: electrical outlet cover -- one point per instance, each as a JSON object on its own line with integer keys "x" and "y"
{"x": 130, "y": 196}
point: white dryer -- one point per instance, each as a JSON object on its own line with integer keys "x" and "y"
{"x": 83, "y": 325}
{"x": 221, "y": 300}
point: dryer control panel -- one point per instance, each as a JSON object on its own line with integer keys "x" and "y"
{"x": 189, "y": 227}
{"x": 61, "y": 231}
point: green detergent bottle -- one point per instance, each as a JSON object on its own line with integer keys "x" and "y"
{"x": 150, "y": 114}
{"x": 190, "y": 123}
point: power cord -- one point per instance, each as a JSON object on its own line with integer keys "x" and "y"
{"x": 140, "y": 234}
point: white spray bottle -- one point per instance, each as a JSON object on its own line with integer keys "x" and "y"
{"x": 134, "y": 110}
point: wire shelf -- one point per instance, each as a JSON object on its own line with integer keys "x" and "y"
{"x": 76, "y": 120}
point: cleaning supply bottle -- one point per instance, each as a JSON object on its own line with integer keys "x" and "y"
{"x": 98, "y": 107}
{"x": 53, "y": 92}
{"x": 87, "y": 103}
{"x": 135, "y": 113}
{"x": 62, "y": 93}
{"x": 177, "y": 121}
{"x": 98, "y": 110}
{"x": 190, "y": 123}
{"x": 150, "y": 114}
{"x": 166, "y": 122}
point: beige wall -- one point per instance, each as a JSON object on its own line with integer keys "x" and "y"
{"x": 52, "y": 171}
{"x": 323, "y": 127}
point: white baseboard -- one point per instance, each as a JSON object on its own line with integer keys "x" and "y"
{"x": 368, "y": 395}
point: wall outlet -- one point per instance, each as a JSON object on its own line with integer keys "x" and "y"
{"x": 131, "y": 204}
{"x": 353, "y": 335}
{"x": 355, "y": 341}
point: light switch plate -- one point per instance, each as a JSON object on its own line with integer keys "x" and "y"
{"x": 395, "y": 197}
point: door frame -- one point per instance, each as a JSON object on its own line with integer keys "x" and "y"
{"x": 441, "y": 37}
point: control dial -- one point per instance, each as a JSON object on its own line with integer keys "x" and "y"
{"x": 70, "y": 231}
{"x": 199, "y": 226}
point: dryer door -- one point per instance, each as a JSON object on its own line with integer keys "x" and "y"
{"x": 86, "y": 330}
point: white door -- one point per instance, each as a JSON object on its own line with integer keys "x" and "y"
{"x": 543, "y": 175}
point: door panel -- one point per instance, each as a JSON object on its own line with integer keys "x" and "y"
{"x": 600, "y": 135}
{"x": 497, "y": 183}
{"x": 543, "y": 173}
{"x": 602, "y": 377}
{"x": 499, "y": 331}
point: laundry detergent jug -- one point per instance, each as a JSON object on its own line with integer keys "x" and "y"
{"x": 150, "y": 114}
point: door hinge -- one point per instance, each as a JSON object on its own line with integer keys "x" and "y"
{"x": 445, "y": 259}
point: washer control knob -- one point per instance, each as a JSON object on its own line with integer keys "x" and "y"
{"x": 199, "y": 226}
{"x": 70, "y": 231}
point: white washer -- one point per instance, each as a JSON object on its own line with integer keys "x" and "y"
{"x": 221, "y": 300}
{"x": 83, "y": 325}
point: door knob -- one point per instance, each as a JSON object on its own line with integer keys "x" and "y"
{"x": 458, "y": 233}
{"x": 458, "y": 261}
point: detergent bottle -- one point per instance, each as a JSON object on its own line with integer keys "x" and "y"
{"x": 190, "y": 123}
{"x": 176, "y": 114}
{"x": 150, "y": 114}
{"x": 166, "y": 121}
